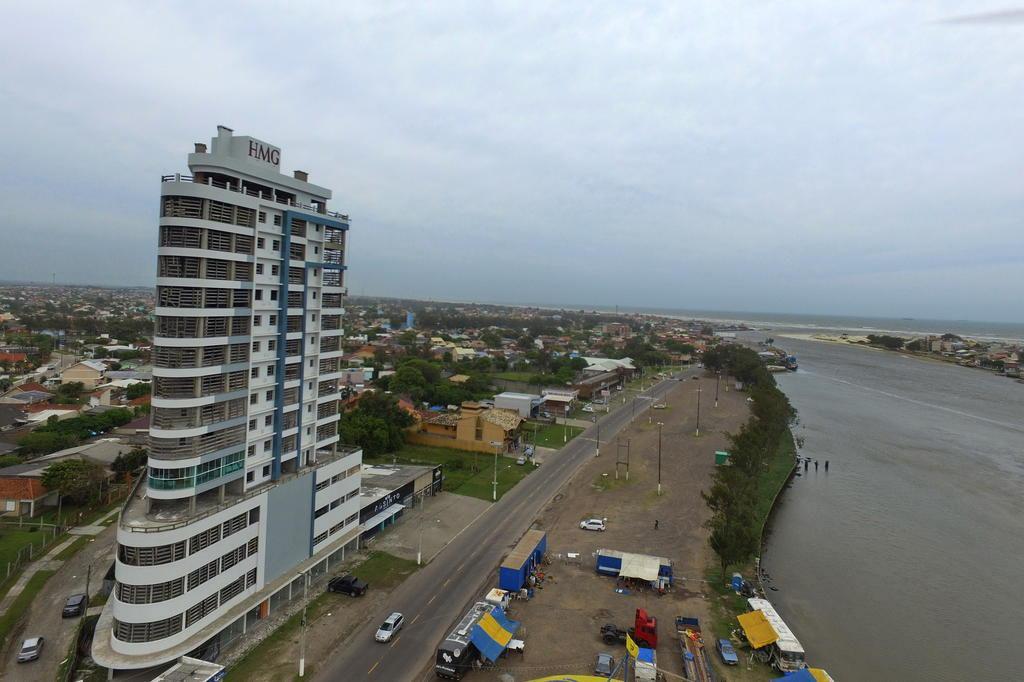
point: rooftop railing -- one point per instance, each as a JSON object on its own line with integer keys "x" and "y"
{"x": 210, "y": 182}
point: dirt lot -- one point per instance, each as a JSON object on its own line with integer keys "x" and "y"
{"x": 561, "y": 624}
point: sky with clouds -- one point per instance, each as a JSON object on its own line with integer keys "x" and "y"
{"x": 842, "y": 157}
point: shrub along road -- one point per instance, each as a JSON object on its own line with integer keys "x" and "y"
{"x": 435, "y": 597}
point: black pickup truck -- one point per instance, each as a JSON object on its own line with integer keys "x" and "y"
{"x": 349, "y": 584}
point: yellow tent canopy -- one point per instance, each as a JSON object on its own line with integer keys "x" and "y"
{"x": 820, "y": 675}
{"x": 758, "y": 630}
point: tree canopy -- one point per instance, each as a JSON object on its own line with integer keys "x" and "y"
{"x": 79, "y": 481}
{"x": 377, "y": 424}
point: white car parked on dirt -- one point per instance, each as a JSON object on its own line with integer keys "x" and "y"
{"x": 592, "y": 524}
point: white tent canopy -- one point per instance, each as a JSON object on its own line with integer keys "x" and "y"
{"x": 639, "y": 566}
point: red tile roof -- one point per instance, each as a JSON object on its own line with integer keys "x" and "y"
{"x": 13, "y": 357}
{"x": 31, "y": 386}
{"x": 42, "y": 407}
{"x": 15, "y": 488}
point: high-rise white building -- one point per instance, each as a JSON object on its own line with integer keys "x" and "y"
{"x": 247, "y": 489}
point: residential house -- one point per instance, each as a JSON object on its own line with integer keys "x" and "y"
{"x": 473, "y": 428}
{"x": 89, "y": 372}
{"x": 24, "y": 497}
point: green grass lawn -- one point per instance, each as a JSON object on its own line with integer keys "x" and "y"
{"x": 14, "y": 539}
{"x": 726, "y": 604}
{"x": 465, "y": 473}
{"x": 381, "y": 569}
{"x": 20, "y": 605}
{"x": 779, "y": 468}
{"x": 549, "y": 435}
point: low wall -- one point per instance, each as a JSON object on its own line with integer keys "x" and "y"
{"x": 421, "y": 438}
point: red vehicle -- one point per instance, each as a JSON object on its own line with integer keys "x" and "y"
{"x": 644, "y": 631}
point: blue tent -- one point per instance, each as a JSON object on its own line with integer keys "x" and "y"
{"x": 492, "y": 633}
{"x": 798, "y": 676}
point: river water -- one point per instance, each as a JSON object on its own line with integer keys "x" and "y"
{"x": 906, "y": 559}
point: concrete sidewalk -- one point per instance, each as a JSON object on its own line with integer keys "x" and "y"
{"x": 439, "y": 521}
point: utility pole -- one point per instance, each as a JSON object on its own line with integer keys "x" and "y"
{"x": 627, "y": 459}
{"x": 88, "y": 578}
{"x": 698, "y": 408}
{"x": 660, "y": 424}
{"x": 302, "y": 639}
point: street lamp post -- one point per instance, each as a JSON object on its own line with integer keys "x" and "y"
{"x": 660, "y": 424}
{"x": 494, "y": 491}
{"x": 698, "y": 408}
{"x": 423, "y": 516}
{"x": 302, "y": 639}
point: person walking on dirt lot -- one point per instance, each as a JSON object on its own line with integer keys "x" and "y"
{"x": 655, "y": 524}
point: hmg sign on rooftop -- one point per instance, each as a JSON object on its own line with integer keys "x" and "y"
{"x": 256, "y": 150}
{"x": 245, "y": 148}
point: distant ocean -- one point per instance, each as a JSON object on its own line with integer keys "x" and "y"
{"x": 989, "y": 331}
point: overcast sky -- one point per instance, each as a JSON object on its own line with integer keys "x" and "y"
{"x": 822, "y": 157}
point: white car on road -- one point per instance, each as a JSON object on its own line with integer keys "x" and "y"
{"x": 389, "y": 627}
{"x": 592, "y": 524}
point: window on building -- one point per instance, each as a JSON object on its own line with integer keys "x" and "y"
{"x": 267, "y": 445}
{"x": 275, "y": 270}
{"x": 273, "y": 320}
{"x": 263, "y": 216}
{"x": 254, "y": 372}
{"x": 270, "y": 370}
{"x": 268, "y": 420}
{"x": 276, "y": 246}
{"x": 252, "y": 424}
{"x": 257, "y": 320}
{"x": 255, "y": 346}
{"x": 259, "y": 271}
{"x": 273, "y": 294}
{"x": 251, "y": 452}
{"x": 254, "y": 398}
{"x": 259, "y": 242}
{"x": 266, "y": 470}
{"x": 272, "y": 344}
{"x": 270, "y": 395}
{"x": 258, "y": 294}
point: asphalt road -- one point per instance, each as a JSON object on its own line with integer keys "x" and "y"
{"x": 44, "y": 613}
{"x": 435, "y": 597}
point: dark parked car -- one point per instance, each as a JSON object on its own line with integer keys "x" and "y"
{"x": 727, "y": 652}
{"x": 349, "y": 584}
{"x": 30, "y": 649}
{"x": 75, "y": 606}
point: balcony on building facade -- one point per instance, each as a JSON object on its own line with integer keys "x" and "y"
{"x": 164, "y": 515}
{"x": 260, "y": 193}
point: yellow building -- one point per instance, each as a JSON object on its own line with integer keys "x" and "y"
{"x": 473, "y": 428}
